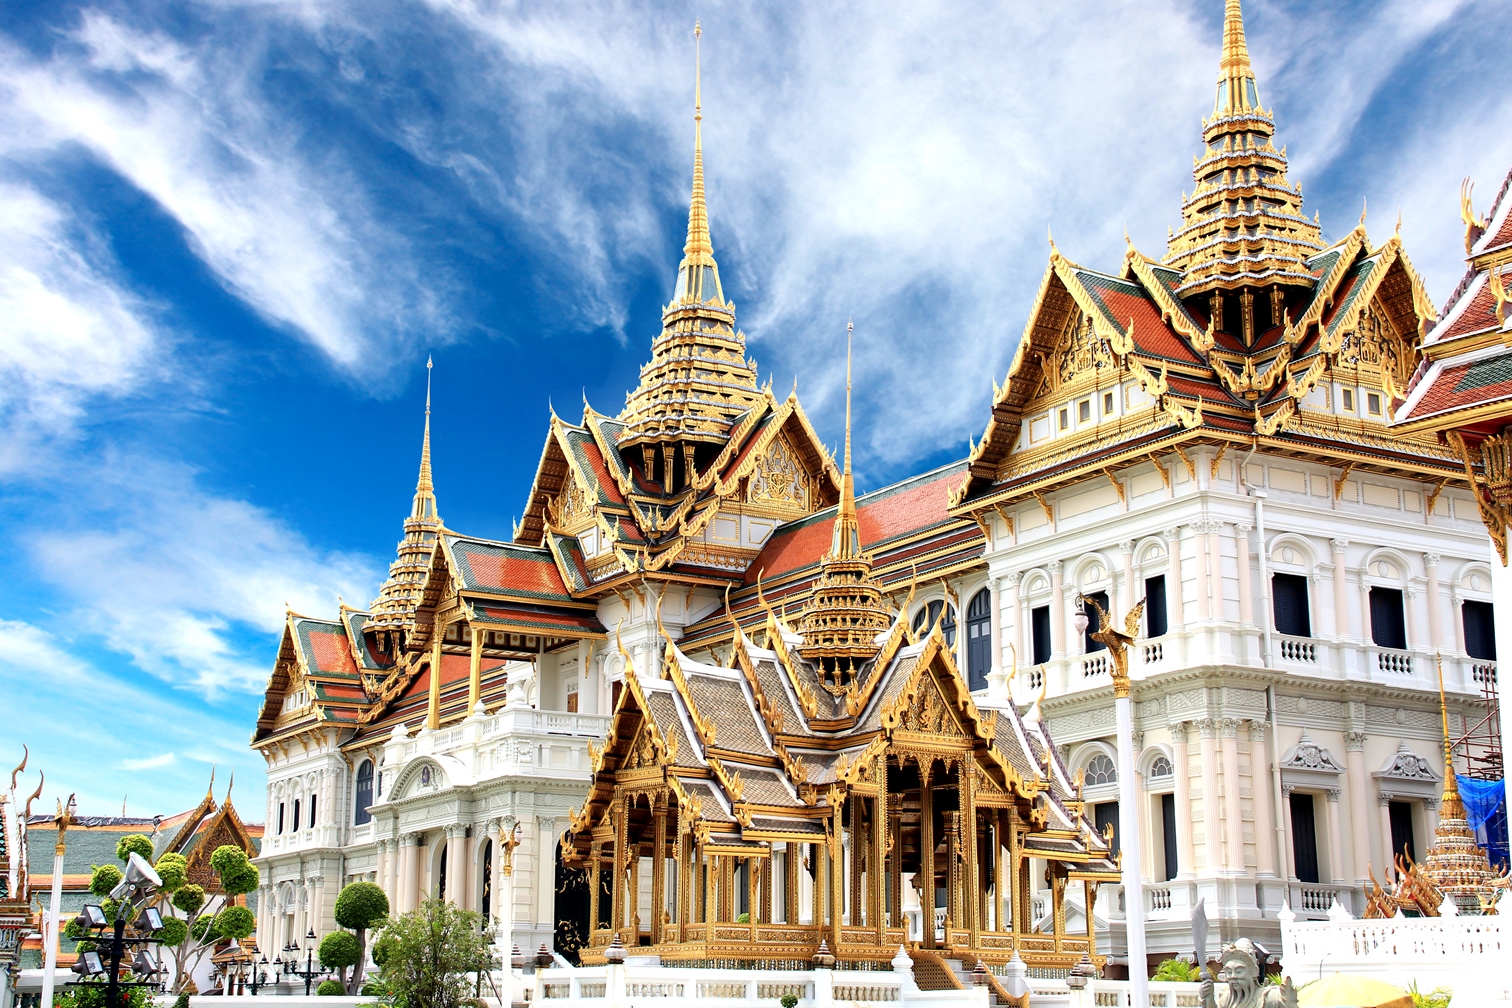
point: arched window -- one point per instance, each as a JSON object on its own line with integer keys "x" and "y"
{"x": 1160, "y": 768}
{"x": 927, "y": 614}
{"x": 979, "y": 639}
{"x": 364, "y": 793}
{"x": 441, "y": 871}
{"x": 1100, "y": 770}
{"x": 486, "y": 903}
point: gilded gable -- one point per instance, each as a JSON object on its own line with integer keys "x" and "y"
{"x": 779, "y": 479}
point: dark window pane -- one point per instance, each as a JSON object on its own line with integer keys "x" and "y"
{"x": 1168, "y": 824}
{"x": 1289, "y": 599}
{"x": 1039, "y": 622}
{"x": 1480, "y": 630}
{"x": 1388, "y": 624}
{"x": 1304, "y": 837}
{"x": 280, "y": 817}
{"x": 1105, "y": 814}
{"x": 979, "y": 639}
{"x": 1155, "y": 606}
{"x": 296, "y": 815}
{"x": 1401, "y": 830}
{"x": 1094, "y": 624}
{"x": 364, "y": 793}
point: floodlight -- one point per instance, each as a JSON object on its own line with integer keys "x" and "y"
{"x": 150, "y": 919}
{"x": 89, "y": 964}
{"x": 92, "y": 916}
{"x": 144, "y": 964}
{"x": 139, "y": 877}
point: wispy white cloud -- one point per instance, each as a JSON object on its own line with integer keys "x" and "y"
{"x": 150, "y": 762}
{"x": 175, "y": 576}
{"x": 110, "y": 722}
{"x": 184, "y": 122}
{"x": 68, "y": 329}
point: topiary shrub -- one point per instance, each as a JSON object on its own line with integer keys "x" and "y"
{"x": 331, "y": 988}
{"x": 134, "y": 843}
{"x": 359, "y": 907}
{"x": 173, "y": 869}
{"x": 105, "y": 878}
{"x": 744, "y": 918}
{"x": 182, "y": 1001}
{"x": 235, "y": 922}
{"x": 788, "y": 1001}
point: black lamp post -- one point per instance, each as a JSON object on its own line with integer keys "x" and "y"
{"x": 139, "y": 880}
{"x": 311, "y": 968}
{"x": 257, "y": 969}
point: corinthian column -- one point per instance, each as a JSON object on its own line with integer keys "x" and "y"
{"x": 1260, "y": 790}
{"x": 1212, "y": 829}
{"x": 1359, "y": 808}
{"x": 1435, "y": 602}
{"x": 1246, "y": 589}
{"x": 1341, "y": 627}
{"x": 1233, "y": 813}
{"x": 1060, "y": 646}
{"x": 1176, "y": 612}
{"x": 1186, "y": 857}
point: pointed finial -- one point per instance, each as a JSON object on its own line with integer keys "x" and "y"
{"x": 1399, "y": 224}
{"x": 229, "y": 785}
{"x": 850, "y": 329}
{"x": 1363, "y": 207}
{"x": 1051, "y": 236}
{"x": 1236, "y": 58}
{"x": 210, "y": 791}
{"x": 1451, "y": 786}
{"x": 425, "y": 489}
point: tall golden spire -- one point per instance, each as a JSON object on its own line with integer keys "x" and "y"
{"x": 845, "y": 615}
{"x": 698, "y": 379}
{"x": 1236, "y": 79}
{"x": 395, "y": 605}
{"x": 1242, "y": 226}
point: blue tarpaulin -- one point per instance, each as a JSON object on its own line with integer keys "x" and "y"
{"x": 1486, "y": 811}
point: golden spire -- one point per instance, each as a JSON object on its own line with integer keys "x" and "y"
{"x": 698, "y": 243}
{"x": 395, "y": 605}
{"x": 1451, "y": 786}
{"x": 1234, "y": 68}
{"x": 425, "y": 490}
{"x": 846, "y": 613}
{"x": 1456, "y": 864}
{"x": 846, "y": 543}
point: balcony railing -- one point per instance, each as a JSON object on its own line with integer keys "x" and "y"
{"x": 1095, "y": 665}
{"x": 1484, "y": 673}
{"x": 1299, "y": 649}
{"x": 1394, "y": 662}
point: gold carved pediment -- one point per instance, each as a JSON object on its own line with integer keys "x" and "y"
{"x": 926, "y": 712}
{"x": 779, "y": 479}
{"x": 571, "y": 503}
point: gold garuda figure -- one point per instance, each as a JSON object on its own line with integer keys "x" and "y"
{"x": 1240, "y": 983}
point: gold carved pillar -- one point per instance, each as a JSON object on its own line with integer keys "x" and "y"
{"x": 433, "y": 705}
{"x": 658, "y": 866}
{"x": 475, "y": 671}
{"x": 972, "y": 892}
{"x": 621, "y": 821}
{"x": 595, "y": 883}
{"x": 878, "y": 875}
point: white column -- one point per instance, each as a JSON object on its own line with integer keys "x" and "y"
{"x": 1130, "y": 840}
{"x": 1388, "y": 858}
{"x": 998, "y": 688}
{"x": 1335, "y": 841}
{"x": 1246, "y": 588}
{"x": 1176, "y": 609}
{"x": 1409, "y": 604}
{"x": 588, "y": 677}
{"x": 1059, "y": 645}
{"x": 1260, "y": 792}
{"x": 1131, "y": 592}
{"x": 1212, "y": 843}
{"x": 1341, "y": 627}
{"x": 1458, "y": 621}
{"x": 1200, "y": 556}
{"x": 1233, "y": 813}
{"x": 1435, "y": 602}
{"x": 1359, "y": 807}
{"x": 50, "y": 929}
{"x": 1016, "y": 603}
{"x": 1215, "y": 568}
{"x": 1186, "y": 857}
{"x": 455, "y": 868}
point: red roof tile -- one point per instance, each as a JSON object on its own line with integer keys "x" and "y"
{"x": 1470, "y": 384}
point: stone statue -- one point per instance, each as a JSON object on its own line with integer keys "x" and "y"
{"x": 1241, "y": 982}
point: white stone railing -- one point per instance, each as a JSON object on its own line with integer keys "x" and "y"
{"x": 606, "y": 986}
{"x": 1467, "y": 954}
{"x": 1299, "y": 649}
{"x": 1394, "y": 662}
{"x": 1095, "y": 665}
{"x": 1113, "y": 994}
{"x": 1483, "y": 672}
{"x": 1154, "y": 653}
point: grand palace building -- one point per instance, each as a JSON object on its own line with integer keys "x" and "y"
{"x": 731, "y": 710}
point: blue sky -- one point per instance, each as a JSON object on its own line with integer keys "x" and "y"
{"x": 231, "y": 232}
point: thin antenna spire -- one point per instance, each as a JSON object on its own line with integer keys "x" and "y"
{"x": 425, "y": 488}
{"x": 850, "y": 328}
{"x": 699, "y": 243}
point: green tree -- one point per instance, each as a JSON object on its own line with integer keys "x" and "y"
{"x": 359, "y": 907}
{"x": 134, "y": 843}
{"x": 431, "y": 953}
{"x": 340, "y": 951}
{"x": 330, "y": 988}
{"x": 196, "y": 919}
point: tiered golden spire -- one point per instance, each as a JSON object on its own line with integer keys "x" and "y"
{"x": 1456, "y": 864}
{"x": 845, "y": 615}
{"x": 698, "y": 380}
{"x": 394, "y": 608}
{"x": 1243, "y": 225}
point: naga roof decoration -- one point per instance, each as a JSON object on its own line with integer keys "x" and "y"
{"x": 1241, "y": 336}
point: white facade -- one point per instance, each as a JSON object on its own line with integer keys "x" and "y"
{"x": 1232, "y": 717}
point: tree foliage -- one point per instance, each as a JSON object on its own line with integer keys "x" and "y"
{"x": 1175, "y": 969}
{"x": 173, "y": 869}
{"x": 134, "y": 843}
{"x": 105, "y": 878}
{"x": 360, "y": 906}
{"x": 235, "y": 922}
{"x": 431, "y": 953}
{"x": 338, "y": 950}
{"x": 329, "y": 988}
{"x": 189, "y": 898}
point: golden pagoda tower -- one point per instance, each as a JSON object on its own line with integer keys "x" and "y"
{"x": 1456, "y": 864}
{"x": 698, "y": 380}
{"x": 394, "y": 608}
{"x": 841, "y": 623}
{"x": 1242, "y": 230}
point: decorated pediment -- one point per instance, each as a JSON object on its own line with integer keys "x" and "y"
{"x": 779, "y": 479}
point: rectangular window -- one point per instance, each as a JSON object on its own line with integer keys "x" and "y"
{"x": 1107, "y": 404}
{"x": 1388, "y": 622}
{"x": 1155, "y": 606}
{"x": 1401, "y": 830}
{"x": 312, "y": 810}
{"x": 1105, "y": 814}
{"x": 1373, "y": 403}
{"x": 1304, "y": 837}
{"x": 572, "y": 702}
{"x": 1084, "y": 411}
{"x": 1065, "y": 419}
{"x": 1289, "y": 600}
{"x": 1039, "y": 625}
{"x": 1480, "y": 629}
{"x": 280, "y": 817}
{"x": 296, "y": 815}
{"x": 1093, "y": 624}
{"x": 1348, "y": 399}
{"x": 1168, "y": 826}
